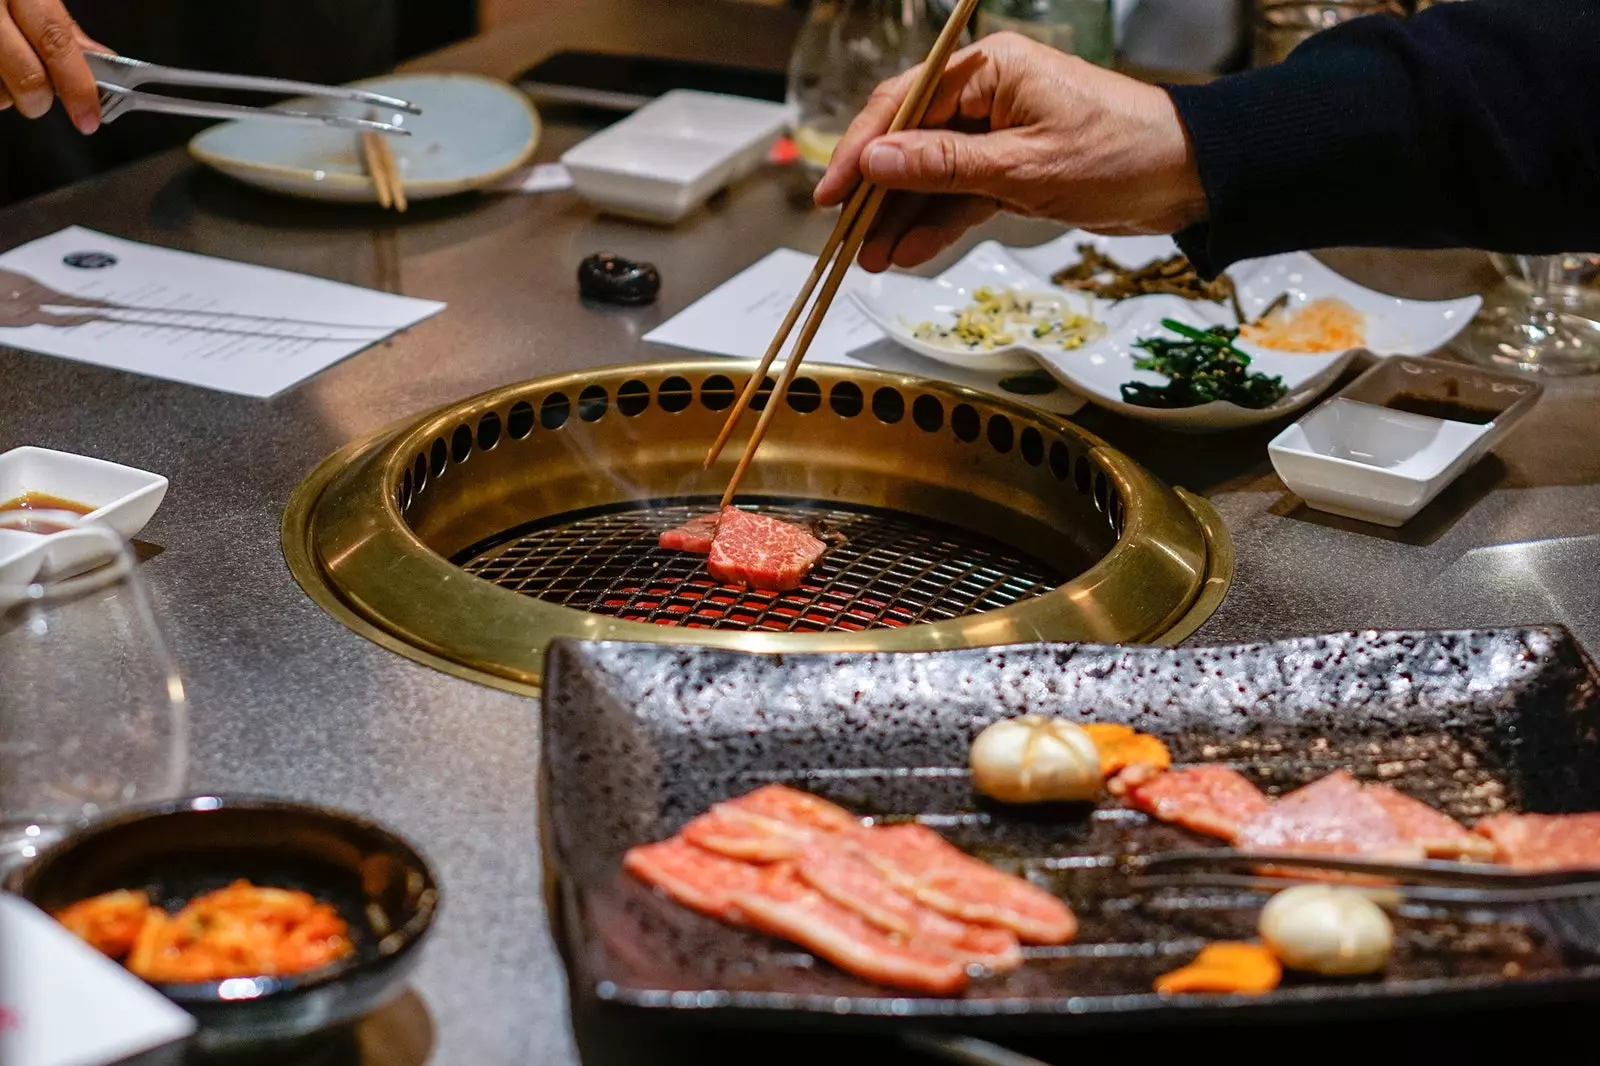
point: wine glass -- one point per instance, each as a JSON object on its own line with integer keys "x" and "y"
{"x": 1532, "y": 333}
{"x": 93, "y": 714}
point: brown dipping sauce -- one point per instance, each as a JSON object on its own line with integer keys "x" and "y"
{"x": 1447, "y": 409}
{"x": 39, "y": 501}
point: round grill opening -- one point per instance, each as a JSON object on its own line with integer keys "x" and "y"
{"x": 889, "y": 570}
{"x": 956, "y": 520}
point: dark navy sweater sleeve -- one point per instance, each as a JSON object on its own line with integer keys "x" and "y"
{"x": 1473, "y": 124}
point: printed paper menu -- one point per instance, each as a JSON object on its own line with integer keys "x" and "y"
{"x": 250, "y": 330}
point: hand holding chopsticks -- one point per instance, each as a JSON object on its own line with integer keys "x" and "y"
{"x": 855, "y": 222}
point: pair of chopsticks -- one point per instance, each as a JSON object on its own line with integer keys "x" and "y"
{"x": 848, "y": 234}
{"x": 383, "y": 171}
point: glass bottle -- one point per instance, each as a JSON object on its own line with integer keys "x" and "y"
{"x": 844, "y": 50}
{"x": 1081, "y": 27}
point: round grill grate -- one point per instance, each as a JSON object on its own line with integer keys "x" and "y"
{"x": 892, "y": 570}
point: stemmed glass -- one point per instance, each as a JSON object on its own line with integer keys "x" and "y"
{"x": 1532, "y": 334}
{"x": 93, "y": 713}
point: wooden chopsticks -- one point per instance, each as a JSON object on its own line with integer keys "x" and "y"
{"x": 848, "y": 234}
{"x": 383, "y": 171}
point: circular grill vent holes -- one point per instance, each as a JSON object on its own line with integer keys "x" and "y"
{"x": 440, "y": 456}
{"x": 1060, "y": 460}
{"x": 847, "y": 400}
{"x": 804, "y": 395}
{"x": 488, "y": 431}
{"x": 1081, "y": 474}
{"x": 461, "y": 443}
{"x": 888, "y": 405}
{"x": 555, "y": 410}
{"x": 758, "y": 402}
{"x": 1002, "y": 435}
{"x": 519, "y": 420}
{"x": 1033, "y": 447}
{"x": 964, "y": 422}
{"x": 633, "y": 398}
{"x": 928, "y": 413}
{"x": 1116, "y": 515}
{"x": 717, "y": 392}
{"x": 419, "y": 474}
{"x": 675, "y": 394}
{"x": 593, "y": 402}
{"x": 1102, "y": 491}
{"x": 405, "y": 491}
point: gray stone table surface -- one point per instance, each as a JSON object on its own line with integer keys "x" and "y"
{"x": 287, "y": 702}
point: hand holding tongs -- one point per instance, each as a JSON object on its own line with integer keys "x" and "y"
{"x": 119, "y": 80}
{"x": 1431, "y": 881}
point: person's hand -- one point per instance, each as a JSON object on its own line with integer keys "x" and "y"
{"x": 1020, "y": 126}
{"x": 41, "y": 57}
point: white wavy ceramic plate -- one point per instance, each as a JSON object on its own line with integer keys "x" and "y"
{"x": 472, "y": 132}
{"x": 1098, "y": 370}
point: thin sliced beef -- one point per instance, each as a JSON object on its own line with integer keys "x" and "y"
{"x": 785, "y": 906}
{"x": 693, "y": 536}
{"x": 774, "y": 822}
{"x": 693, "y": 876}
{"x": 1213, "y": 800}
{"x": 1330, "y": 816}
{"x": 1544, "y": 841}
{"x": 1439, "y": 835}
{"x": 843, "y": 875}
{"x": 764, "y": 553}
{"x": 933, "y": 871}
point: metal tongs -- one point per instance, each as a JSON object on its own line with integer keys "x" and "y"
{"x": 1430, "y": 881}
{"x": 119, "y": 79}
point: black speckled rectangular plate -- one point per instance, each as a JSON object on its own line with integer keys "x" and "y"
{"x": 640, "y": 738}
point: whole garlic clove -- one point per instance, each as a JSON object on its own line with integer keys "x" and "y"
{"x": 1327, "y": 930}
{"x": 1034, "y": 759}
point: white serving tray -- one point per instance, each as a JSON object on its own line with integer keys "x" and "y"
{"x": 1098, "y": 370}
{"x": 666, "y": 159}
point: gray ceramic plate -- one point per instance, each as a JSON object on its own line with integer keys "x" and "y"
{"x": 639, "y": 738}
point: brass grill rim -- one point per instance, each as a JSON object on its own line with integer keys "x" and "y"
{"x": 349, "y": 511}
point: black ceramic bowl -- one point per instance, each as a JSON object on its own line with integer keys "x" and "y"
{"x": 177, "y": 850}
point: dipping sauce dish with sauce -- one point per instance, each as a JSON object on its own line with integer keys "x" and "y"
{"x": 1386, "y": 445}
{"x": 39, "y": 479}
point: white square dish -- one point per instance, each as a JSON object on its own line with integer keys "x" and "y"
{"x": 1100, "y": 368}
{"x": 21, "y": 555}
{"x": 121, "y": 497}
{"x": 669, "y": 157}
{"x": 1357, "y": 458}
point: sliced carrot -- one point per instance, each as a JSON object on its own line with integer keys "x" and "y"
{"x": 1245, "y": 969}
{"x": 1122, "y": 746}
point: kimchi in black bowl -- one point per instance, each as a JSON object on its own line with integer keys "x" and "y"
{"x": 377, "y": 883}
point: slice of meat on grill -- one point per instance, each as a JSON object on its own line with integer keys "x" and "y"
{"x": 1331, "y": 816}
{"x": 785, "y": 906}
{"x": 693, "y": 536}
{"x": 843, "y": 874}
{"x": 924, "y": 865}
{"x": 772, "y": 823}
{"x": 693, "y": 876}
{"x": 764, "y": 553}
{"x": 1439, "y": 835}
{"x": 1544, "y": 841}
{"x": 1213, "y": 800}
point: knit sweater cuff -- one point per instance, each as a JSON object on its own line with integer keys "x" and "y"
{"x": 1262, "y": 141}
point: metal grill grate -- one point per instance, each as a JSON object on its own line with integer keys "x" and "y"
{"x": 893, "y": 570}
